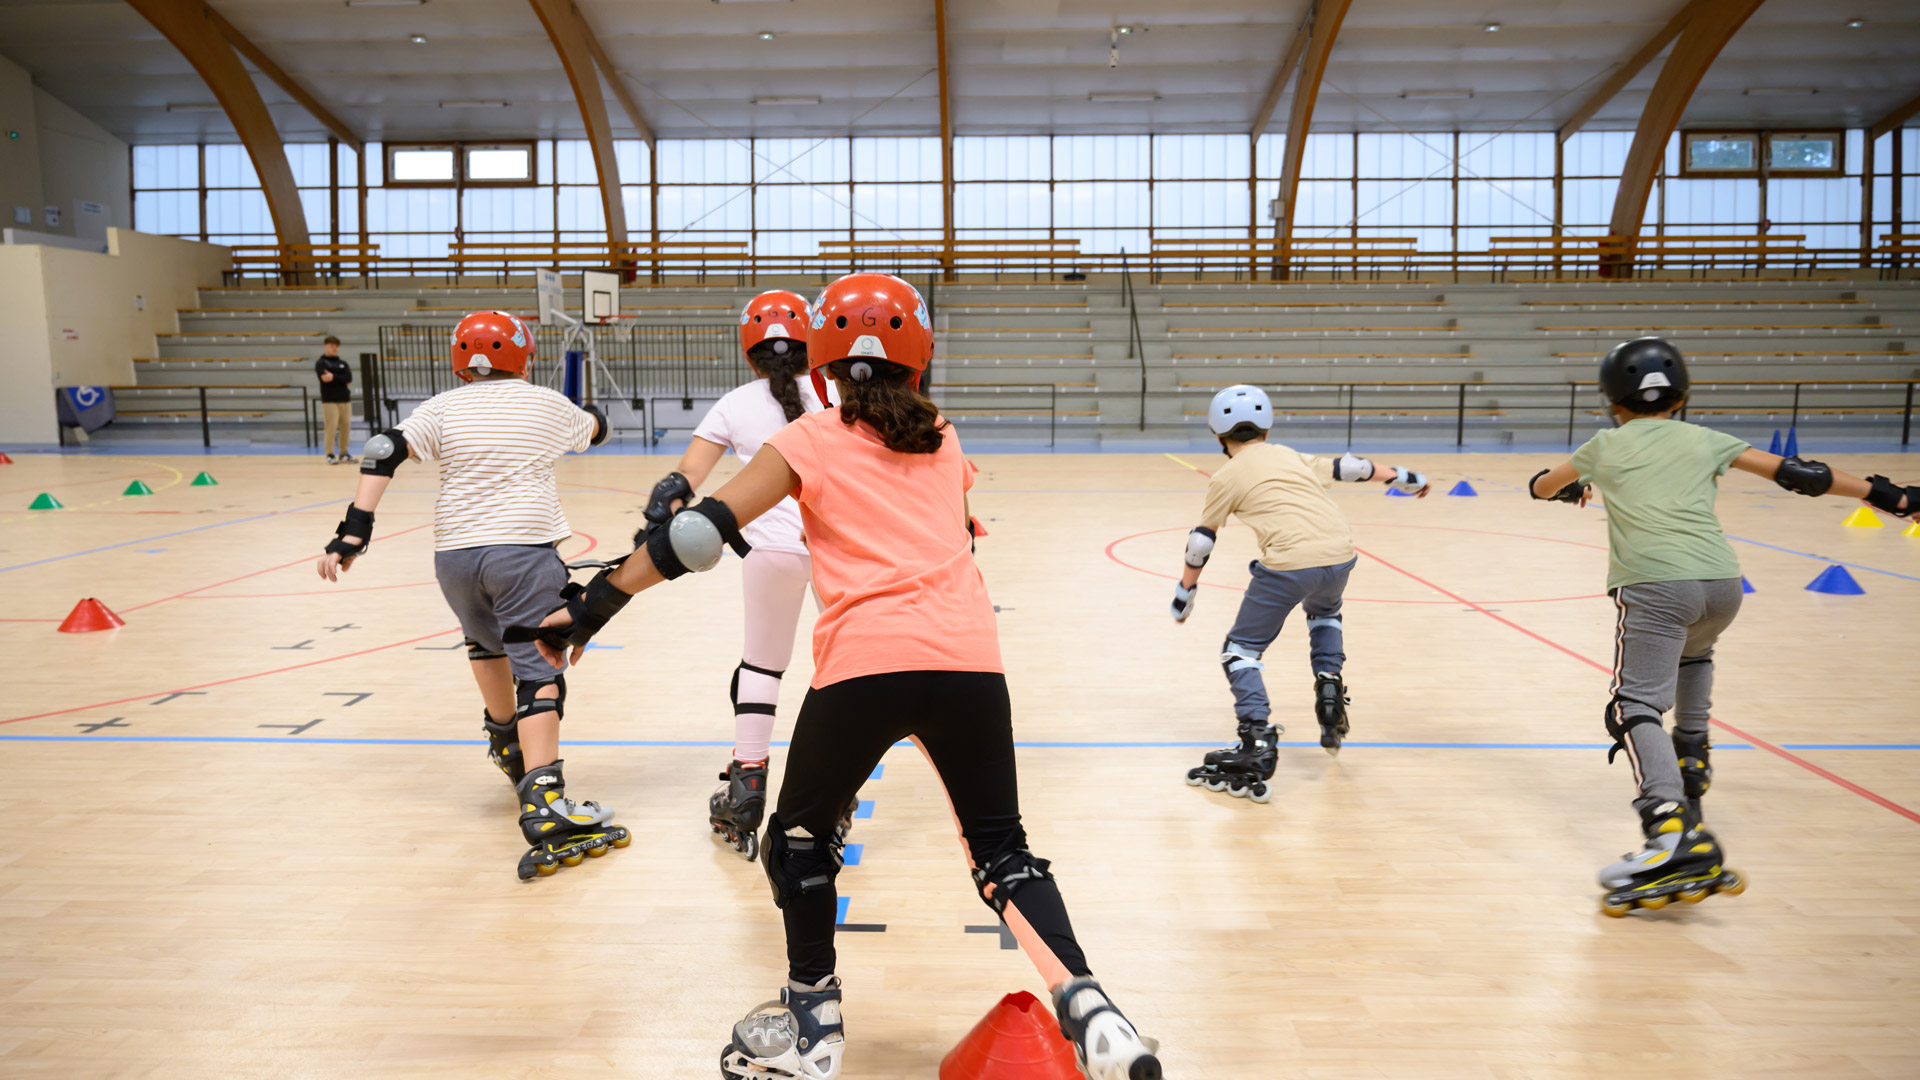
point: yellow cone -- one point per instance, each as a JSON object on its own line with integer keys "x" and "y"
{"x": 1863, "y": 518}
{"x": 1911, "y": 530}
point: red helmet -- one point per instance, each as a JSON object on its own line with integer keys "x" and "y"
{"x": 776, "y": 314}
{"x": 869, "y": 315}
{"x": 491, "y": 341}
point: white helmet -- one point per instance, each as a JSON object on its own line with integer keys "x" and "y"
{"x": 1238, "y": 405}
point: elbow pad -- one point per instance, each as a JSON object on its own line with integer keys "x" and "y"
{"x": 1352, "y": 469}
{"x": 600, "y": 427}
{"x": 1804, "y": 477}
{"x": 1200, "y": 546}
{"x": 383, "y": 453}
{"x": 692, "y": 540}
{"x": 1569, "y": 494}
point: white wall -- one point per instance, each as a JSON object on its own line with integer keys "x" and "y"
{"x": 58, "y": 158}
{"x": 69, "y": 318}
{"x": 19, "y": 156}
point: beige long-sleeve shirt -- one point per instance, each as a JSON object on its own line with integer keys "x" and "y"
{"x": 1281, "y": 494}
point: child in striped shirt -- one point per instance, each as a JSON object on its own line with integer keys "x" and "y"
{"x": 496, "y": 524}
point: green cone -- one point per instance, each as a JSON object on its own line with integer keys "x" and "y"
{"x": 205, "y": 479}
{"x": 138, "y": 487}
{"x": 45, "y": 501}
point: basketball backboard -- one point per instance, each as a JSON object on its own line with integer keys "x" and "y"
{"x": 600, "y": 295}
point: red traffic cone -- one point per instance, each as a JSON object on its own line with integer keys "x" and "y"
{"x": 89, "y": 615}
{"x": 1018, "y": 1039}
{"x": 5, "y": 460}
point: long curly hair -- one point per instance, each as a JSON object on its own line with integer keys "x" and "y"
{"x": 887, "y": 396}
{"x": 782, "y": 370}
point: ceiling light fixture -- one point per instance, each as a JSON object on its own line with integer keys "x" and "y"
{"x": 193, "y": 106}
{"x": 1124, "y": 95}
{"x": 1493, "y": 28}
{"x": 1780, "y": 91}
{"x": 1126, "y": 30}
{"x": 385, "y": 3}
{"x": 466, "y": 103}
{"x": 418, "y": 39}
{"x": 1855, "y": 24}
{"x": 789, "y": 99}
{"x": 766, "y": 35}
{"x": 1436, "y": 95}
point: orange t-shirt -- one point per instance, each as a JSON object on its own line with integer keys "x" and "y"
{"x": 892, "y": 564}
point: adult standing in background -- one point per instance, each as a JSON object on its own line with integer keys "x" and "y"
{"x": 336, "y": 399}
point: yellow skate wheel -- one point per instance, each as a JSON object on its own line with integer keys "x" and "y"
{"x": 573, "y": 858}
{"x": 1653, "y": 903}
{"x": 596, "y": 852}
{"x": 546, "y": 869}
{"x": 1693, "y": 896}
{"x": 622, "y": 839}
{"x": 1615, "y": 911}
{"x": 1734, "y": 885}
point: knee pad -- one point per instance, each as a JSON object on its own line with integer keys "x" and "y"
{"x": 1324, "y": 622}
{"x": 1235, "y": 657}
{"x": 477, "y": 651}
{"x": 529, "y": 705}
{"x": 733, "y": 691}
{"x": 1617, "y": 726}
{"x": 798, "y": 865}
{"x": 1006, "y": 874}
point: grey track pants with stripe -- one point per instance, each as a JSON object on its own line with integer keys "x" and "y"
{"x": 1664, "y": 633}
{"x": 1271, "y": 597}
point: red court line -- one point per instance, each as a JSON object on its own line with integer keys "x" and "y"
{"x": 1596, "y": 665}
{"x": 310, "y": 592}
{"x": 256, "y": 573}
{"x": 223, "y": 682}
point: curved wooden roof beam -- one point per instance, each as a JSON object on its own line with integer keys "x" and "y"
{"x": 573, "y": 41}
{"x": 285, "y": 81}
{"x": 1895, "y": 119}
{"x": 1325, "y": 26}
{"x": 1632, "y": 66}
{"x": 1711, "y": 24}
{"x": 195, "y": 30}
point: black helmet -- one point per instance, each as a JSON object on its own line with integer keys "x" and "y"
{"x": 1643, "y": 371}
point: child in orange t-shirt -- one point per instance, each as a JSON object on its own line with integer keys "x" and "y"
{"x": 905, "y": 648}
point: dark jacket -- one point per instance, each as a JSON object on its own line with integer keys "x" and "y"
{"x": 341, "y": 388}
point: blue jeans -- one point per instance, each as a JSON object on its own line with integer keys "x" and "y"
{"x": 1271, "y": 597}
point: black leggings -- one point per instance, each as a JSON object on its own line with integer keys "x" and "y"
{"x": 963, "y": 723}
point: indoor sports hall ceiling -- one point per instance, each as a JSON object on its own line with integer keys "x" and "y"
{"x": 1018, "y": 66}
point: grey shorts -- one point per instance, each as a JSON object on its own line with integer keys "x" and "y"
{"x": 491, "y": 588}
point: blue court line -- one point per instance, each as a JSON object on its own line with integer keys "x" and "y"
{"x": 865, "y": 810}
{"x": 850, "y": 855}
{"x": 866, "y": 805}
{"x": 1825, "y": 559}
{"x": 163, "y": 536}
{"x": 840, "y": 909}
{"x": 878, "y": 771}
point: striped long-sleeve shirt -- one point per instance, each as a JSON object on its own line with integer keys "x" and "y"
{"x": 496, "y": 441}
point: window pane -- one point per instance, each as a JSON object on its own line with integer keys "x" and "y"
{"x": 1402, "y": 156}
{"x": 228, "y": 166}
{"x": 1220, "y": 205}
{"x": 1328, "y": 157}
{"x": 1512, "y": 154}
{"x": 1100, "y": 157}
{"x": 1396, "y": 203}
{"x": 789, "y": 206}
{"x": 896, "y": 159}
{"x": 1104, "y": 205}
{"x": 1722, "y": 152}
{"x": 422, "y": 166}
{"x": 893, "y": 207}
{"x": 1000, "y": 206}
{"x": 309, "y": 164}
{"x": 1323, "y": 206}
{"x": 500, "y": 163}
{"x": 1597, "y": 153}
{"x": 1000, "y": 157}
{"x": 237, "y": 214}
{"x": 1506, "y": 202}
{"x": 631, "y": 154}
{"x": 1267, "y": 155}
{"x": 507, "y": 210}
{"x": 702, "y": 208}
{"x": 1809, "y": 152}
{"x": 573, "y": 162}
{"x": 787, "y": 161}
{"x": 703, "y": 161}
{"x": 1199, "y": 157}
{"x": 167, "y": 213}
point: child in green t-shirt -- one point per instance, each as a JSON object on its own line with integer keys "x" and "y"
{"x": 1676, "y": 586}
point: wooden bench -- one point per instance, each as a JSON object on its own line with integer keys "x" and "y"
{"x": 253, "y": 310}
{"x": 1307, "y": 304}
{"x": 240, "y": 333}
{"x": 223, "y": 359}
{"x": 1722, "y": 326}
{"x": 1681, "y": 303}
{"x": 1311, "y": 329}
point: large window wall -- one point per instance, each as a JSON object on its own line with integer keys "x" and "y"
{"x": 1443, "y": 191}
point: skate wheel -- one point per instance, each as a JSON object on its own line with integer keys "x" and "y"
{"x": 1731, "y": 884}
{"x": 1653, "y": 903}
{"x": 1214, "y": 784}
{"x": 1260, "y": 793}
{"x": 1196, "y": 778}
{"x": 750, "y": 850}
{"x": 546, "y": 869}
{"x": 1693, "y": 896}
{"x": 598, "y": 851}
{"x": 621, "y": 838}
{"x": 1615, "y": 911}
{"x": 574, "y": 858}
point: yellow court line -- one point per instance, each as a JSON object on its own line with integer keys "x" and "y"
{"x": 1178, "y": 461}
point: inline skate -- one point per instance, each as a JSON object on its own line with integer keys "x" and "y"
{"x": 1241, "y": 770}
{"x": 503, "y": 746}
{"x": 737, "y": 806}
{"x": 798, "y": 1037}
{"x": 1681, "y": 861}
{"x": 1696, "y": 771}
{"x": 1330, "y": 703}
{"x": 562, "y": 832}
{"x": 1104, "y": 1043}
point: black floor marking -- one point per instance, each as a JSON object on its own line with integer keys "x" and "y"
{"x": 179, "y": 693}
{"x": 862, "y": 927}
{"x": 292, "y": 729}
{"x": 303, "y": 645}
{"x": 440, "y": 648}
{"x": 1007, "y": 940}
{"x": 344, "y": 626}
{"x": 115, "y": 722}
{"x": 357, "y": 697}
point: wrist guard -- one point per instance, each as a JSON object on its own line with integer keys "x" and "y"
{"x": 1406, "y": 480}
{"x": 1569, "y": 494}
{"x": 671, "y": 487}
{"x": 1804, "y": 477}
{"x": 1886, "y": 496}
{"x": 590, "y": 607}
{"x": 358, "y": 523}
{"x": 1183, "y": 601}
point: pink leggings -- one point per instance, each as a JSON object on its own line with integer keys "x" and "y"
{"x": 775, "y": 584}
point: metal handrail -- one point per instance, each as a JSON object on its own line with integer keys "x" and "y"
{"x": 1136, "y": 345}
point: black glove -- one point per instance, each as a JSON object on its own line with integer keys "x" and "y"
{"x": 358, "y": 523}
{"x": 589, "y": 608}
{"x": 1569, "y": 494}
{"x": 1886, "y": 496}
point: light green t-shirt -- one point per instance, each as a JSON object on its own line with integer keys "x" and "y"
{"x": 1658, "y": 480}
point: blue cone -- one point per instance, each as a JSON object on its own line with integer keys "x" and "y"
{"x": 1463, "y": 488}
{"x": 1398, "y": 494}
{"x": 1747, "y": 586}
{"x": 1793, "y": 443}
{"x": 1835, "y": 581}
{"x": 1774, "y": 446}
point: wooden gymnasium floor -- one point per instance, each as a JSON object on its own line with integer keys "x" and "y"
{"x": 253, "y": 833}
